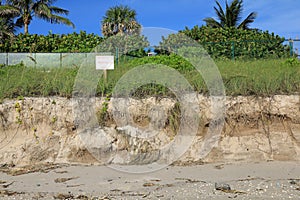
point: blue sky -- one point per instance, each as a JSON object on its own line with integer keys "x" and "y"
{"x": 279, "y": 16}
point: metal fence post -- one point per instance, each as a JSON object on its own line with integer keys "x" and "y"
{"x": 117, "y": 55}
{"x": 35, "y": 59}
{"x": 60, "y": 60}
{"x": 291, "y": 43}
{"x": 6, "y": 62}
{"x": 232, "y": 50}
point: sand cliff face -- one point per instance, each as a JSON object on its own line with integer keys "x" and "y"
{"x": 39, "y": 130}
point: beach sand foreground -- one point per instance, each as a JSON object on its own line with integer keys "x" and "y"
{"x": 263, "y": 180}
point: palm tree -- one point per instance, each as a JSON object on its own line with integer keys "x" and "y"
{"x": 231, "y": 17}
{"x": 27, "y": 9}
{"x": 120, "y": 19}
{"x": 7, "y": 25}
{"x": 7, "y": 29}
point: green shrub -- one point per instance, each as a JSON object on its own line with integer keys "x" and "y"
{"x": 229, "y": 42}
{"x": 75, "y": 42}
{"x": 291, "y": 62}
{"x": 173, "y": 60}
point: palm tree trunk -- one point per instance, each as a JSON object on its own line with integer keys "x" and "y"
{"x": 26, "y": 19}
{"x": 25, "y": 28}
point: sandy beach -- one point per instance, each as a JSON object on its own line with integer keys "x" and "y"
{"x": 264, "y": 180}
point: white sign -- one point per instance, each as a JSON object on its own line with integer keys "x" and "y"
{"x": 104, "y": 62}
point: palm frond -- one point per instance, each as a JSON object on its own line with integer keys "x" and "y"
{"x": 236, "y": 9}
{"x": 220, "y": 13}
{"x": 8, "y": 11}
{"x": 57, "y": 10}
{"x": 211, "y": 22}
{"x": 231, "y": 16}
{"x": 56, "y": 19}
{"x": 42, "y": 11}
{"x": 249, "y": 19}
{"x": 7, "y": 29}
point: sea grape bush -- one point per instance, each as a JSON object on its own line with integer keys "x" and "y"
{"x": 223, "y": 42}
{"x": 52, "y": 43}
{"x": 173, "y": 60}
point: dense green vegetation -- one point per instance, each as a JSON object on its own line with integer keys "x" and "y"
{"x": 133, "y": 44}
{"x": 219, "y": 43}
{"x": 243, "y": 44}
{"x": 75, "y": 42}
{"x": 260, "y": 77}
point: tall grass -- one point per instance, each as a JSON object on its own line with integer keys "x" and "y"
{"x": 256, "y": 77}
{"x": 19, "y": 80}
{"x": 260, "y": 77}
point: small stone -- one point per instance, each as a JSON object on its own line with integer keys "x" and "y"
{"x": 148, "y": 184}
{"x": 294, "y": 182}
{"x": 222, "y": 186}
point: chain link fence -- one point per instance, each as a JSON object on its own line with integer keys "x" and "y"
{"x": 294, "y": 46}
{"x": 46, "y": 60}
